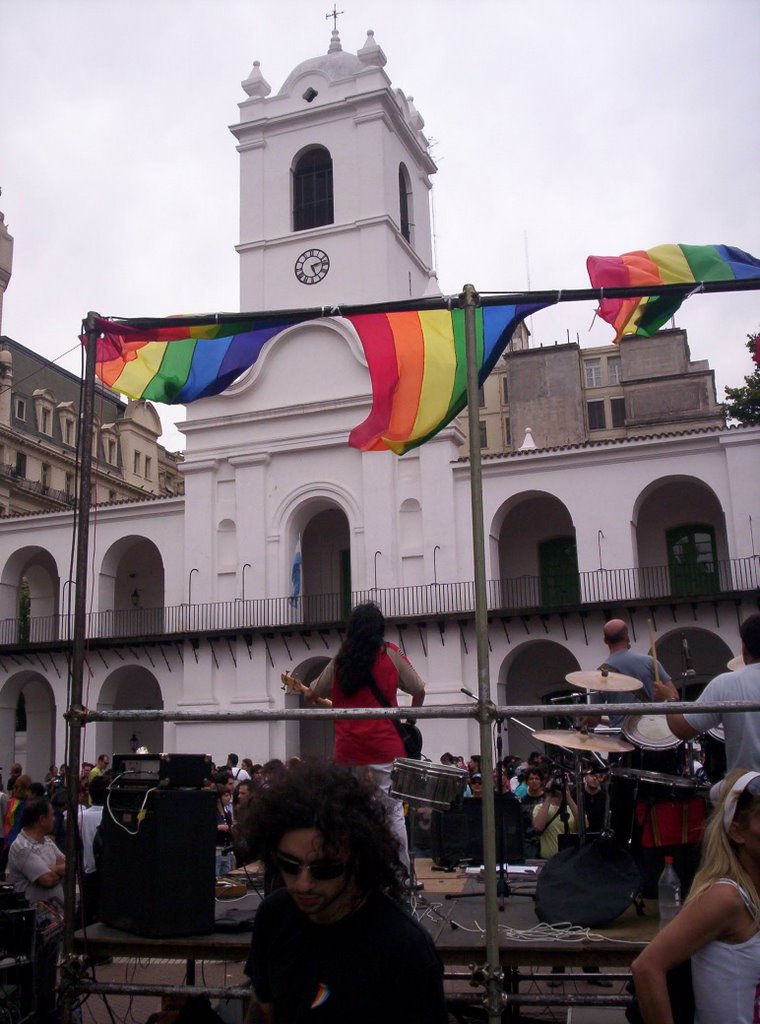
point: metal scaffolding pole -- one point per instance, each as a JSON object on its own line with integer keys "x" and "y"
{"x": 76, "y": 670}
{"x": 492, "y": 968}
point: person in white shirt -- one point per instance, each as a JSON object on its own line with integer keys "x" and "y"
{"x": 238, "y": 774}
{"x": 35, "y": 868}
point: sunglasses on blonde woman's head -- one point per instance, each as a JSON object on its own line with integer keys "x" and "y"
{"x": 320, "y": 870}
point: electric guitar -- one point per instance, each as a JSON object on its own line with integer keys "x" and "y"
{"x": 293, "y": 685}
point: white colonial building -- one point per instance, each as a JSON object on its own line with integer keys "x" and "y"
{"x": 189, "y": 596}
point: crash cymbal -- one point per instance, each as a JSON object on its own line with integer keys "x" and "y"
{"x": 573, "y": 739}
{"x": 736, "y": 663}
{"x": 608, "y": 682}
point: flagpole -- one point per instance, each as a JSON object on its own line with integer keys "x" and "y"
{"x": 492, "y": 970}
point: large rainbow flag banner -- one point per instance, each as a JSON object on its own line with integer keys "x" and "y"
{"x": 416, "y": 363}
{"x": 665, "y": 264}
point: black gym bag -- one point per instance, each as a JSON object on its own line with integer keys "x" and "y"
{"x": 589, "y": 885}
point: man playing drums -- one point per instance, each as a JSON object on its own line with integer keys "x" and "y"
{"x": 742, "y": 729}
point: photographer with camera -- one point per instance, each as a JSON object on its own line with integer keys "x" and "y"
{"x": 556, "y": 814}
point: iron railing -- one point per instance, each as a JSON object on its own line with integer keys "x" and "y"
{"x": 505, "y": 597}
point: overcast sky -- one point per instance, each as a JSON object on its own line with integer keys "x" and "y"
{"x": 560, "y": 128}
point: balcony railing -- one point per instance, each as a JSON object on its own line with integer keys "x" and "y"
{"x": 516, "y": 596}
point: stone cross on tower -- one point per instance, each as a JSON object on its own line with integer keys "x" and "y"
{"x": 334, "y": 16}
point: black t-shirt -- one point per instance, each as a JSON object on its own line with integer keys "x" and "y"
{"x": 375, "y": 966}
{"x": 593, "y": 808}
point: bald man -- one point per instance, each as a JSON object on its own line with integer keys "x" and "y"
{"x": 627, "y": 662}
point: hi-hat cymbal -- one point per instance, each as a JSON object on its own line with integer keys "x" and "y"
{"x": 575, "y": 740}
{"x": 736, "y": 663}
{"x": 609, "y": 682}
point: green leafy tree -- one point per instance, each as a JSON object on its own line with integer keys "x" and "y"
{"x": 743, "y": 404}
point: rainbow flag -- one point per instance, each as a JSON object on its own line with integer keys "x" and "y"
{"x": 177, "y": 365}
{"x": 418, "y": 369}
{"x": 665, "y": 264}
{"x": 416, "y": 363}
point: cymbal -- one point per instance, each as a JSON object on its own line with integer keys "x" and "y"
{"x": 575, "y": 740}
{"x": 608, "y": 682}
{"x": 736, "y": 663}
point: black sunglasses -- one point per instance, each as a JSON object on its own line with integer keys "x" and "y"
{"x": 320, "y": 870}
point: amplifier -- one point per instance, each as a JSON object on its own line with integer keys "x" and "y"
{"x": 170, "y": 771}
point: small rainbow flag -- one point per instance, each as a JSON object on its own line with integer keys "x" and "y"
{"x": 321, "y": 996}
{"x": 665, "y": 264}
{"x": 416, "y": 363}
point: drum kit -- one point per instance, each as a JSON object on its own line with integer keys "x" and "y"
{"x": 643, "y": 733}
{"x": 441, "y": 787}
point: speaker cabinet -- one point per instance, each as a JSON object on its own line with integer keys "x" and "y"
{"x": 157, "y": 875}
{"x": 457, "y": 835}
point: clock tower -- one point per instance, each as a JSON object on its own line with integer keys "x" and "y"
{"x": 334, "y": 186}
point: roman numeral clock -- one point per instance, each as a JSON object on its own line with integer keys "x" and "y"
{"x": 311, "y": 266}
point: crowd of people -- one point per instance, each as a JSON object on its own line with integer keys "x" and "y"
{"x": 337, "y": 839}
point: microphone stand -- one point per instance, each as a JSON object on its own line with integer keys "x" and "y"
{"x": 687, "y": 672}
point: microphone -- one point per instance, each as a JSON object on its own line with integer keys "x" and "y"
{"x": 690, "y": 670}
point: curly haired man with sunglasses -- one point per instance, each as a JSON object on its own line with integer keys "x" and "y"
{"x": 334, "y": 943}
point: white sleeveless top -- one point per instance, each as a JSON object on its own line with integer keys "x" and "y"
{"x": 726, "y": 978}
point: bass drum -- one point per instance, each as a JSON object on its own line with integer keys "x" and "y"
{"x": 714, "y": 746}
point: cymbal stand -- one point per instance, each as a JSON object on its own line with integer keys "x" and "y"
{"x": 502, "y": 886}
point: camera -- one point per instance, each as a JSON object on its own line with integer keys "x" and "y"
{"x": 555, "y": 783}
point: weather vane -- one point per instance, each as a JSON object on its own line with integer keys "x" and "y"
{"x": 334, "y": 16}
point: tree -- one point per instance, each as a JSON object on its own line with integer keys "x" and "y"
{"x": 743, "y": 404}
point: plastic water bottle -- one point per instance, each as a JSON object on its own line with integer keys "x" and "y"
{"x": 668, "y": 893}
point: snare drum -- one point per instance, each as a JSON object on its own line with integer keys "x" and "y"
{"x": 427, "y": 785}
{"x": 649, "y": 732}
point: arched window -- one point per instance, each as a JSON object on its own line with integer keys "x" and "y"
{"x": 313, "y": 190}
{"x": 405, "y": 202}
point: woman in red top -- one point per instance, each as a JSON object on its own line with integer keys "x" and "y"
{"x": 366, "y": 661}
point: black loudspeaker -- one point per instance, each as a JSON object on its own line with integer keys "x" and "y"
{"x": 457, "y": 835}
{"x": 158, "y": 868}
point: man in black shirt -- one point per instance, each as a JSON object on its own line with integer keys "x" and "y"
{"x": 334, "y": 945}
{"x": 594, "y": 800}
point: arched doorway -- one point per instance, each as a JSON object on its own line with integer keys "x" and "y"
{"x": 531, "y": 673}
{"x": 130, "y": 687}
{"x": 33, "y": 747}
{"x": 308, "y": 738}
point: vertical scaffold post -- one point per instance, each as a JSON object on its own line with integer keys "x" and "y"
{"x": 493, "y": 975}
{"x": 76, "y": 664}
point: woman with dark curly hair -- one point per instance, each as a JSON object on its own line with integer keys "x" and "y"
{"x": 367, "y": 672}
{"x": 334, "y": 943}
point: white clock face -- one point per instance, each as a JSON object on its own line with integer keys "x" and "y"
{"x": 312, "y": 266}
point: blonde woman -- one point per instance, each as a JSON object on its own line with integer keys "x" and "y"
{"x": 719, "y": 926}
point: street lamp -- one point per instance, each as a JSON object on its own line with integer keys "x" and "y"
{"x": 246, "y": 566}
{"x": 190, "y": 586}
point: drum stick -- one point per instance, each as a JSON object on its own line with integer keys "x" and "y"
{"x": 653, "y": 647}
